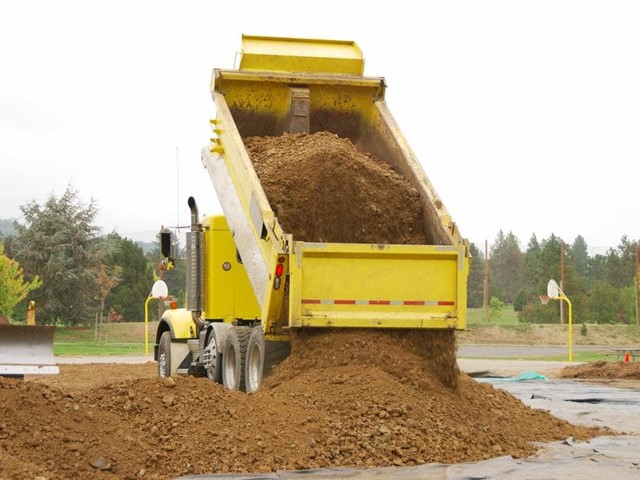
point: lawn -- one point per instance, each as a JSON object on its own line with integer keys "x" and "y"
{"x": 476, "y": 316}
{"x": 111, "y": 339}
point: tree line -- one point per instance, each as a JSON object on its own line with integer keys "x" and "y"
{"x": 77, "y": 276}
{"x": 58, "y": 257}
{"x": 601, "y": 287}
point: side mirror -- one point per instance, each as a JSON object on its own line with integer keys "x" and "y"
{"x": 165, "y": 244}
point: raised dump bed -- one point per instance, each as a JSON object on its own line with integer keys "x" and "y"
{"x": 294, "y": 86}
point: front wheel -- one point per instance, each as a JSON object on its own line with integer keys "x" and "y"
{"x": 164, "y": 355}
{"x": 254, "y": 366}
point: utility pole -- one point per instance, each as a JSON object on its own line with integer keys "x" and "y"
{"x": 561, "y": 280}
{"x": 486, "y": 282}
{"x": 637, "y": 281}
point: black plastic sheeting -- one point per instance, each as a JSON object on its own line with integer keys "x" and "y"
{"x": 584, "y": 404}
{"x": 603, "y": 457}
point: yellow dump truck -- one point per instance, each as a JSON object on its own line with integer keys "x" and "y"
{"x": 250, "y": 282}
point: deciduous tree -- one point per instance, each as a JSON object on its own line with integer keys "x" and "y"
{"x": 13, "y": 287}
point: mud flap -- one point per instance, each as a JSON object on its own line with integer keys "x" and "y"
{"x": 180, "y": 358}
{"x": 27, "y": 350}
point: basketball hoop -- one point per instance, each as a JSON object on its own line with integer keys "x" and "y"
{"x": 544, "y": 299}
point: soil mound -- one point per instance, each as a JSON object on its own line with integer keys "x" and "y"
{"x": 359, "y": 413}
{"x": 603, "y": 370}
{"x": 324, "y": 190}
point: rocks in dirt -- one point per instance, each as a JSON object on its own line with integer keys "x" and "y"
{"x": 169, "y": 382}
{"x": 323, "y": 189}
{"x": 101, "y": 463}
{"x": 383, "y": 411}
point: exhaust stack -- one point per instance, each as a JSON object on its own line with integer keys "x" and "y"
{"x": 195, "y": 266}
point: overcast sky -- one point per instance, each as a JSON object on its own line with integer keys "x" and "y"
{"x": 524, "y": 115}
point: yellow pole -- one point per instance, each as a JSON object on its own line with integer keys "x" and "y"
{"x": 562, "y": 296}
{"x": 31, "y": 313}
{"x": 146, "y": 325}
{"x": 570, "y": 330}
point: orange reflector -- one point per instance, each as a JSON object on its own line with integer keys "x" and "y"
{"x": 173, "y": 305}
{"x": 279, "y": 270}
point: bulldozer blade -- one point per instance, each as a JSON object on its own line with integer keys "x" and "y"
{"x": 27, "y": 350}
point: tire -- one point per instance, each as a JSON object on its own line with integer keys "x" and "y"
{"x": 164, "y": 355}
{"x": 234, "y": 357}
{"x": 254, "y": 365}
{"x": 213, "y": 351}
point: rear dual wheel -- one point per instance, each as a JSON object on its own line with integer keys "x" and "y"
{"x": 213, "y": 353}
{"x": 243, "y": 359}
{"x": 254, "y": 366}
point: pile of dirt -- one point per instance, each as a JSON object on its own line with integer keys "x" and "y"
{"x": 359, "y": 399}
{"x": 324, "y": 190}
{"x": 603, "y": 370}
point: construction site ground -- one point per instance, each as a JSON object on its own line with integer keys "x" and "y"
{"x": 117, "y": 420}
{"x": 345, "y": 404}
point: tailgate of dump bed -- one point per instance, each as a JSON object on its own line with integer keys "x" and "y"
{"x": 377, "y": 286}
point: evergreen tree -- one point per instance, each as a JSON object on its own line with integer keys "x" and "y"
{"x": 597, "y": 269}
{"x": 58, "y": 243}
{"x": 533, "y": 284}
{"x": 522, "y": 298}
{"x": 627, "y": 268}
{"x": 135, "y": 277}
{"x": 475, "y": 283}
{"x": 603, "y": 305}
{"x": 506, "y": 264}
{"x": 579, "y": 257}
{"x": 549, "y": 261}
{"x": 613, "y": 268}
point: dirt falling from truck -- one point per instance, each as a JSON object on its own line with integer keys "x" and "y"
{"x": 323, "y": 189}
{"x": 417, "y": 358}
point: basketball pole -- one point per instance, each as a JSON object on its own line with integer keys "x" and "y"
{"x": 555, "y": 292}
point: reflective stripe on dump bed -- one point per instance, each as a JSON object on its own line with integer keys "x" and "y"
{"x": 383, "y": 286}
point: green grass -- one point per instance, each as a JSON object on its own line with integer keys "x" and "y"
{"x": 99, "y": 349}
{"x": 475, "y": 316}
{"x": 113, "y": 339}
{"x": 578, "y": 357}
